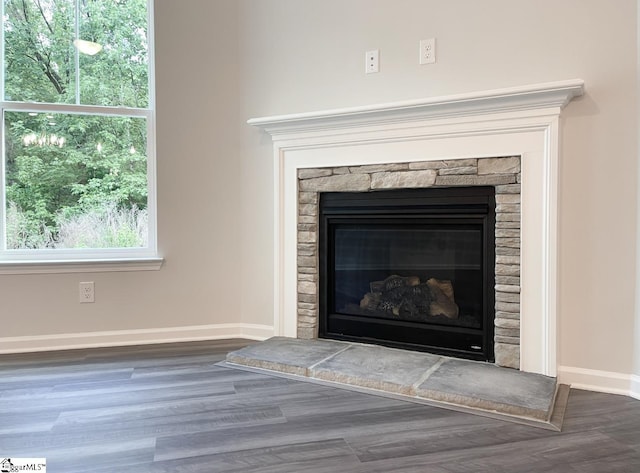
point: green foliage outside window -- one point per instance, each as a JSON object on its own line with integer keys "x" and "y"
{"x": 75, "y": 179}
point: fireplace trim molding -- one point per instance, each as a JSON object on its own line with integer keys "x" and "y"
{"x": 522, "y": 121}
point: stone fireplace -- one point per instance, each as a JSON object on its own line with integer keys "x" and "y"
{"x": 501, "y": 173}
{"x": 505, "y": 138}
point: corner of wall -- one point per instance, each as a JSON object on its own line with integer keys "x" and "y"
{"x": 635, "y": 389}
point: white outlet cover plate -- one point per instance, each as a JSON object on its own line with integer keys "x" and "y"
{"x": 428, "y": 51}
{"x": 372, "y": 61}
{"x": 86, "y": 294}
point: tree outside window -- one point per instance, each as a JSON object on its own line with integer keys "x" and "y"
{"x": 77, "y": 174}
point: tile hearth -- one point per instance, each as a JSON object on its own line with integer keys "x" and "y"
{"x": 469, "y": 386}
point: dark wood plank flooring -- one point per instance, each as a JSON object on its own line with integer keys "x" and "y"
{"x": 169, "y": 408}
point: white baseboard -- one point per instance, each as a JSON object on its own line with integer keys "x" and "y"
{"x": 579, "y": 378}
{"x": 600, "y": 381}
{"x": 70, "y": 341}
{"x": 635, "y": 386}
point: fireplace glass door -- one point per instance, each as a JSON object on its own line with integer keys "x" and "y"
{"x": 407, "y": 270}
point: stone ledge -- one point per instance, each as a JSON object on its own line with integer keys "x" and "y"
{"x": 507, "y": 332}
{"x": 307, "y": 333}
{"x": 499, "y": 165}
{"x": 487, "y": 180}
{"x": 370, "y": 168}
{"x": 507, "y": 233}
{"x": 307, "y": 219}
{"x": 308, "y": 277}
{"x": 403, "y": 179}
{"x": 508, "y": 307}
{"x": 512, "y": 280}
{"x": 508, "y": 189}
{"x": 507, "y": 355}
{"x": 305, "y": 287}
{"x": 512, "y": 225}
{"x": 480, "y": 387}
{"x": 314, "y": 172}
{"x": 337, "y": 183}
{"x": 307, "y": 261}
{"x": 457, "y": 171}
{"x": 507, "y": 288}
{"x": 507, "y": 198}
{"x": 309, "y": 298}
{"x": 307, "y": 197}
{"x": 308, "y": 209}
{"x": 307, "y": 237}
{"x": 507, "y": 297}
{"x": 306, "y": 250}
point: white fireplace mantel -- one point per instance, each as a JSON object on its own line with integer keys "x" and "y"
{"x": 520, "y": 121}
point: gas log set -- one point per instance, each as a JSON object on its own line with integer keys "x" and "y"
{"x": 410, "y": 299}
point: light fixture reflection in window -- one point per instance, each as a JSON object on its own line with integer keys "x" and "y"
{"x": 43, "y": 140}
{"x": 87, "y": 47}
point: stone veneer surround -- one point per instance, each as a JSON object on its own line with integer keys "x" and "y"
{"x": 501, "y": 172}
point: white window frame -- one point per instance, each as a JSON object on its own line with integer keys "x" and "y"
{"x": 86, "y": 260}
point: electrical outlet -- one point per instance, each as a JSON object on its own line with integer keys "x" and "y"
{"x": 86, "y": 292}
{"x": 372, "y": 61}
{"x": 428, "y": 51}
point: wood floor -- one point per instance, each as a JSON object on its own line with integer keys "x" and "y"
{"x": 169, "y": 408}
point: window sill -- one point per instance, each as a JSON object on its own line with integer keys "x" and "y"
{"x": 80, "y": 266}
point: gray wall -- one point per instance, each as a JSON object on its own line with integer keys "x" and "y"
{"x": 199, "y": 190}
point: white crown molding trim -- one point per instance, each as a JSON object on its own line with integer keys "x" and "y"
{"x": 520, "y": 121}
{"x": 114, "y": 338}
{"x": 513, "y": 99}
{"x": 601, "y": 381}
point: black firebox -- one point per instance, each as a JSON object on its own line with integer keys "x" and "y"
{"x": 410, "y": 268}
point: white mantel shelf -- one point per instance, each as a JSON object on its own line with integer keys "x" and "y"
{"x": 512, "y": 99}
{"x": 518, "y": 121}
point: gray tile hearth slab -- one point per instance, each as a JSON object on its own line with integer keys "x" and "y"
{"x": 287, "y": 355}
{"x": 461, "y": 385}
{"x": 489, "y": 387}
{"x": 386, "y": 369}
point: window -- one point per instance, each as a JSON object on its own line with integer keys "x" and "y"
{"x": 78, "y": 170}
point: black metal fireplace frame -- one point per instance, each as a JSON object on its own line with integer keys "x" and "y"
{"x": 451, "y": 205}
